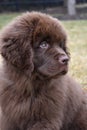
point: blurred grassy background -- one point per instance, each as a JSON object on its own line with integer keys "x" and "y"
{"x": 77, "y": 32}
{"x": 77, "y": 43}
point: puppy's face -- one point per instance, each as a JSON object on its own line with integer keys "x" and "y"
{"x": 49, "y": 46}
{"x": 36, "y": 43}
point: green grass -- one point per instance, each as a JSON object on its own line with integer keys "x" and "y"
{"x": 6, "y": 18}
{"x": 77, "y": 43}
{"x": 77, "y": 31}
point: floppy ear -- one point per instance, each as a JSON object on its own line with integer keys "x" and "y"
{"x": 16, "y": 48}
{"x": 19, "y": 54}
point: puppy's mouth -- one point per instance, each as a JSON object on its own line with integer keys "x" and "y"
{"x": 63, "y": 72}
{"x": 53, "y": 71}
{"x": 63, "y": 69}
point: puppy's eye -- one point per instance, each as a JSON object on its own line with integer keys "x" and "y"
{"x": 44, "y": 45}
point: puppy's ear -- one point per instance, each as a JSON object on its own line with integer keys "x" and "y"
{"x": 18, "y": 53}
{"x": 16, "y": 46}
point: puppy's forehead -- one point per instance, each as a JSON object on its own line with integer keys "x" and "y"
{"x": 34, "y": 23}
{"x": 49, "y": 26}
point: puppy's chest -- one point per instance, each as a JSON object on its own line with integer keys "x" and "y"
{"x": 41, "y": 104}
{"x": 41, "y": 108}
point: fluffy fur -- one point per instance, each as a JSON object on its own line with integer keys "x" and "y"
{"x": 36, "y": 92}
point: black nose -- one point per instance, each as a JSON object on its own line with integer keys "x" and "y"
{"x": 63, "y": 60}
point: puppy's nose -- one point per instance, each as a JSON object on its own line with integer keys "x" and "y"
{"x": 63, "y": 60}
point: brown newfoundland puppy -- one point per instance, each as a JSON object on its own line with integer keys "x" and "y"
{"x": 36, "y": 93}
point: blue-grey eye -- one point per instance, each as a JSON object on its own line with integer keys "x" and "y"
{"x": 44, "y": 45}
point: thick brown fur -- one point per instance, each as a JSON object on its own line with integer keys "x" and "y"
{"x": 36, "y": 92}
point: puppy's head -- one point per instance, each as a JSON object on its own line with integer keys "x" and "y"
{"x": 35, "y": 43}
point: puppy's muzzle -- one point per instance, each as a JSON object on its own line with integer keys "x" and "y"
{"x": 63, "y": 60}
